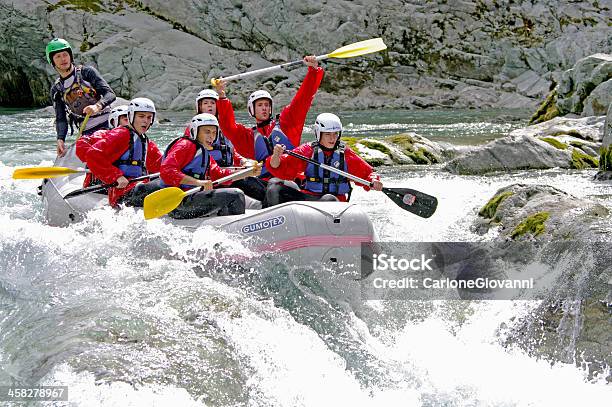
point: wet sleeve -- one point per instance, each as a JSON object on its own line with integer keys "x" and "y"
{"x": 290, "y": 167}
{"x": 177, "y": 158}
{"x": 61, "y": 120}
{"x": 106, "y": 94}
{"x": 217, "y": 172}
{"x": 358, "y": 167}
{"x": 293, "y": 116}
{"x": 154, "y": 158}
{"x": 104, "y": 153}
{"x": 240, "y": 135}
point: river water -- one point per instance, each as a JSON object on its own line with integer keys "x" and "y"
{"x": 117, "y": 309}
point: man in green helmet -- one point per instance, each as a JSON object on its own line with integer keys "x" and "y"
{"x": 79, "y": 91}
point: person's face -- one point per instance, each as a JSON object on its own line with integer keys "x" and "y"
{"x": 142, "y": 122}
{"x": 62, "y": 61}
{"x": 123, "y": 120}
{"x": 263, "y": 109}
{"x": 207, "y": 135}
{"x": 328, "y": 139}
{"x": 207, "y": 105}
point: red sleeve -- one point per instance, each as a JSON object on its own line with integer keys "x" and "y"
{"x": 154, "y": 158}
{"x": 290, "y": 166}
{"x": 293, "y": 116}
{"x": 105, "y": 152}
{"x": 217, "y": 172}
{"x": 84, "y": 143}
{"x": 240, "y": 135}
{"x": 179, "y": 156}
{"x": 358, "y": 167}
{"x": 237, "y": 159}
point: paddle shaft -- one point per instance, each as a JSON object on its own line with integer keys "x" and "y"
{"x": 411, "y": 200}
{"x": 95, "y": 188}
{"x": 270, "y": 69}
{"x": 230, "y": 177}
{"x": 330, "y": 168}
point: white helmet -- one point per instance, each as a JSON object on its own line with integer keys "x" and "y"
{"x": 115, "y": 113}
{"x": 202, "y": 119}
{"x": 327, "y": 122}
{"x": 140, "y": 105}
{"x": 255, "y": 96}
{"x": 205, "y": 94}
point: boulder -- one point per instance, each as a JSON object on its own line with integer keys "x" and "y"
{"x": 571, "y": 324}
{"x": 584, "y": 89}
{"x": 468, "y": 55}
{"x": 562, "y": 143}
{"x": 406, "y": 148}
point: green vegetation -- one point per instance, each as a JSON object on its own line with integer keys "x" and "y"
{"x": 488, "y": 211}
{"x": 351, "y": 143}
{"x": 554, "y": 142}
{"x": 581, "y": 160}
{"x": 376, "y": 162}
{"x": 572, "y": 132}
{"x": 418, "y": 155}
{"x": 605, "y": 158}
{"x": 91, "y": 6}
{"x": 547, "y": 110}
{"x": 533, "y": 224}
{"x": 376, "y": 146}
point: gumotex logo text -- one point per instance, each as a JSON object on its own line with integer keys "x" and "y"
{"x": 263, "y": 224}
{"x": 384, "y": 262}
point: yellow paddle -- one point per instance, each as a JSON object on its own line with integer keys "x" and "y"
{"x": 50, "y": 172}
{"x": 45, "y": 172}
{"x": 165, "y": 200}
{"x": 348, "y": 51}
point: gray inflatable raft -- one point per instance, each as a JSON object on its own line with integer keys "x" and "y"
{"x": 330, "y": 232}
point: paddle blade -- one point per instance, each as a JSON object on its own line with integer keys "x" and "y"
{"x": 359, "y": 48}
{"x": 43, "y": 172}
{"x": 162, "y": 202}
{"x": 413, "y": 201}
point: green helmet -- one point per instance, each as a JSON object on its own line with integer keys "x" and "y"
{"x": 57, "y": 45}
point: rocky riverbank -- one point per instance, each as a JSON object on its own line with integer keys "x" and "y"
{"x": 461, "y": 54}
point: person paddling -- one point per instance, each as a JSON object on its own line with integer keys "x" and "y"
{"x": 320, "y": 184}
{"x": 223, "y": 151}
{"x": 257, "y": 143}
{"x": 79, "y": 91}
{"x": 118, "y": 117}
{"x": 188, "y": 163}
{"x": 126, "y": 152}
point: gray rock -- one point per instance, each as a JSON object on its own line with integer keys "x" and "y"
{"x": 598, "y": 100}
{"x": 587, "y": 128}
{"x": 584, "y": 89}
{"x": 572, "y": 322}
{"x": 169, "y": 50}
{"x": 509, "y": 153}
{"x": 561, "y": 142}
{"x": 568, "y": 217}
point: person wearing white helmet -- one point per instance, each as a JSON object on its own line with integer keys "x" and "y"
{"x": 223, "y": 151}
{"x": 117, "y": 117}
{"x": 320, "y": 184}
{"x": 257, "y": 143}
{"x": 187, "y": 163}
{"x": 126, "y": 152}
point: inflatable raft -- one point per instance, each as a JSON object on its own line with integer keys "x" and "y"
{"x": 330, "y": 232}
